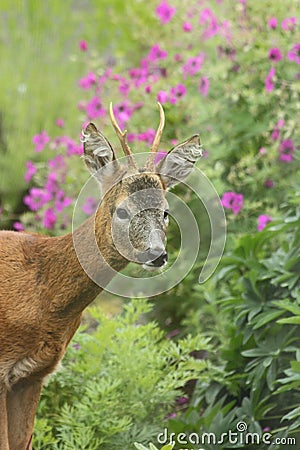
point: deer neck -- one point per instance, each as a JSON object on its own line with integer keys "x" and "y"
{"x": 83, "y": 263}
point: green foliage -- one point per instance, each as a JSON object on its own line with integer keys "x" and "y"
{"x": 257, "y": 373}
{"x": 117, "y": 384}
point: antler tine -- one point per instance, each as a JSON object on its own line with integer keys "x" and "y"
{"x": 121, "y": 135}
{"x": 156, "y": 141}
{"x": 160, "y": 128}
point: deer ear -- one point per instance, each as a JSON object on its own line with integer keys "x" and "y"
{"x": 179, "y": 162}
{"x": 97, "y": 150}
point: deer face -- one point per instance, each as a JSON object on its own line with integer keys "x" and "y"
{"x": 139, "y": 220}
{"x": 134, "y": 206}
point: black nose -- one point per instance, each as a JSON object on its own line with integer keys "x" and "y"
{"x": 155, "y": 257}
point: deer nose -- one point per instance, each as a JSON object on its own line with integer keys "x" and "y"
{"x": 154, "y": 257}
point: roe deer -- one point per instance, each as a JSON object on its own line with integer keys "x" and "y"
{"x": 43, "y": 287}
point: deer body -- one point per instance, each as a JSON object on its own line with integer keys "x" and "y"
{"x": 44, "y": 288}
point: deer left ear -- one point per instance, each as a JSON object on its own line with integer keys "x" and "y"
{"x": 176, "y": 166}
{"x": 97, "y": 150}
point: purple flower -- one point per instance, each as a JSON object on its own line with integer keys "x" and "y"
{"x": 204, "y": 86}
{"x": 262, "y": 221}
{"x": 269, "y": 183}
{"x": 61, "y": 201}
{"x": 159, "y": 156}
{"x": 187, "y": 27}
{"x": 49, "y": 219}
{"x": 57, "y": 163}
{"x": 233, "y": 201}
{"x": 193, "y": 65}
{"x": 269, "y": 81}
{"x": 83, "y": 45}
{"x": 37, "y": 198}
{"x": 40, "y": 141}
{"x": 289, "y": 23}
{"x": 162, "y": 96}
{"x": 275, "y": 135}
{"x": 60, "y": 122}
{"x": 31, "y": 170}
{"x": 157, "y": 53}
{"x": 177, "y": 92}
{"x": 286, "y": 150}
{"x": 90, "y": 205}
{"x": 275, "y": 54}
{"x": 165, "y": 12}
{"x": 272, "y": 23}
{"x": 88, "y": 81}
{"x": 210, "y": 21}
{"x": 294, "y": 54}
{"x": 18, "y": 226}
{"x": 94, "y": 109}
{"x": 147, "y": 136}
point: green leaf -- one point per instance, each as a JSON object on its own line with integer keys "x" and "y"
{"x": 266, "y": 317}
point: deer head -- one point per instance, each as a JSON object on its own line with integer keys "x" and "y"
{"x": 134, "y": 212}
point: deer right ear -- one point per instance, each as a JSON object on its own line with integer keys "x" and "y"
{"x": 179, "y": 162}
{"x": 97, "y": 150}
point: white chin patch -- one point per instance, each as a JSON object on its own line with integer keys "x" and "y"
{"x": 153, "y": 268}
{"x": 150, "y": 268}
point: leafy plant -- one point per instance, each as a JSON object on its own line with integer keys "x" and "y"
{"x": 117, "y": 383}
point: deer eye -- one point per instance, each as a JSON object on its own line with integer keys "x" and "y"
{"x": 166, "y": 214}
{"x": 122, "y": 213}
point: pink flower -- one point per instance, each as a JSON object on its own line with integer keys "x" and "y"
{"x": 269, "y": 81}
{"x": 262, "y": 151}
{"x": 37, "y": 198}
{"x": 162, "y": 96}
{"x": 276, "y": 131}
{"x": 60, "y": 123}
{"x": 90, "y": 206}
{"x": 294, "y": 54}
{"x": 289, "y": 23}
{"x": 193, "y": 65}
{"x": 18, "y": 226}
{"x": 61, "y": 201}
{"x": 262, "y": 221}
{"x": 233, "y": 201}
{"x": 49, "y": 219}
{"x": 94, "y": 109}
{"x": 159, "y": 156}
{"x": 204, "y": 86}
{"x": 269, "y": 183}
{"x": 88, "y": 81}
{"x": 187, "y": 27}
{"x": 165, "y": 12}
{"x": 157, "y": 53}
{"x": 210, "y": 21}
{"x": 57, "y": 163}
{"x": 31, "y": 170}
{"x": 286, "y": 150}
{"x": 40, "y": 141}
{"x": 272, "y": 23}
{"x": 83, "y": 45}
{"x": 147, "y": 136}
{"x": 177, "y": 92}
{"x": 275, "y": 54}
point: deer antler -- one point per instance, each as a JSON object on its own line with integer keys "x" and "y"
{"x": 121, "y": 135}
{"x": 156, "y": 141}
